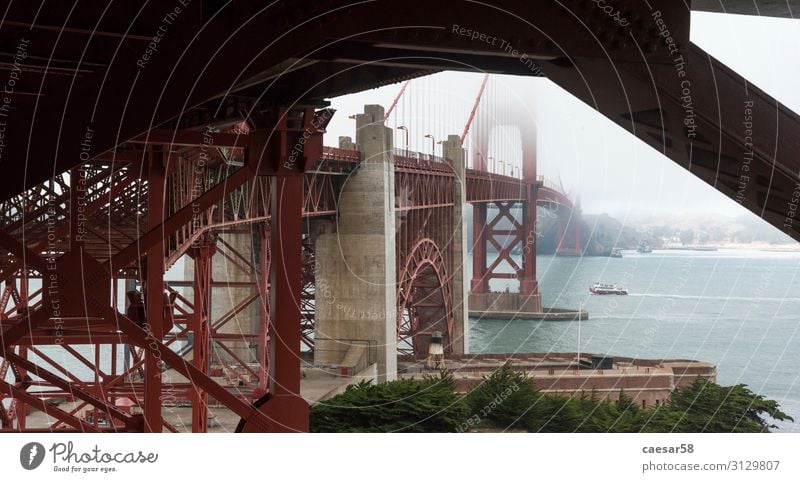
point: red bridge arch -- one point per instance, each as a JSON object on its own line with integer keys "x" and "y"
{"x": 424, "y": 299}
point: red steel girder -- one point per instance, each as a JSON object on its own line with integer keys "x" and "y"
{"x": 283, "y": 405}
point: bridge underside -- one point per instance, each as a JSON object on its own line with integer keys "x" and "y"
{"x": 142, "y": 92}
{"x": 770, "y": 8}
{"x": 216, "y": 67}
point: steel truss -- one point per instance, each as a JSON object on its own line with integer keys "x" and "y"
{"x": 121, "y": 224}
{"x": 424, "y": 202}
{"x": 89, "y": 321}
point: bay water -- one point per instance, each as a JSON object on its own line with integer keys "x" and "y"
{"x": 738, "y": 309}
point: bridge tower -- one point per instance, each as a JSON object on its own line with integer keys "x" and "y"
{"x": 505, "y": 227}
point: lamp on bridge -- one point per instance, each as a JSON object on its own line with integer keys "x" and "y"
{"x": 433, "y": 144}
{"x": 404, "y": 129}
{"x": 490, "y": 167}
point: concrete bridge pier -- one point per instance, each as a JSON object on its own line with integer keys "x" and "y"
{"x": 355, "y": 274}
{"x": 456, "y": 156}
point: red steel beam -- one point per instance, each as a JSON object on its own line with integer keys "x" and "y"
{"x": 183, "y": 216}
{"x": 154, "y": 293}
{"x": 73, "y": 389}
{"x": 45, "y": 408}
{"x": 200, "y": 321}
{"x": 184, "y": 138}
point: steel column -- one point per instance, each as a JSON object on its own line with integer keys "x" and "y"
{"x": 154, "y": 294}
{"x": 264, "y": 339}
{"x": 288, "y": 410}
{"x": 203, "y": 254}
{"x": 528, "y": 284}
{"x": 480, "y": 284}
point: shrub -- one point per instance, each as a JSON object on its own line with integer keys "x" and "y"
{"x": 705, "y": 406}
{"x": 407, "y": 405}
{"x": 504, "y": 399}
{"x": 509, "y": 399}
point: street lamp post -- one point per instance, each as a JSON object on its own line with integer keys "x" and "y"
{"x": 404, "y": 129}
{"x": 433, "y": 144}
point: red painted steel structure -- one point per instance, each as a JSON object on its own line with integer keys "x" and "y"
{"x": 424, "y": 204}
{"x": 127, "y": 200}
{"x": 181, "y": 206}
{"x": 509, "y": 227}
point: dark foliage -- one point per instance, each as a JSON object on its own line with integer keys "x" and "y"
{"x": 409, "y": 405}
{"x": 509, "y": 400}
{"x": 704, "y": 406}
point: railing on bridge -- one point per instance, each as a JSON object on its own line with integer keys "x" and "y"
{"x": 339, "y": 154}
{"x": 482, "y": 186}
{"x": 417, "y": 161}
{"x": 336, "y": 160}
{"x": 543, "y": 181}
{"x": 485, "y": 186}
{"x": 406, "y": 155}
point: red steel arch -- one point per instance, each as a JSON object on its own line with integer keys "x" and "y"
{"x": 424, "y": 301}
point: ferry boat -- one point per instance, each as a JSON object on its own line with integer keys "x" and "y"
{"x": 607, "y": 289}
{"x": 616, "y": 253}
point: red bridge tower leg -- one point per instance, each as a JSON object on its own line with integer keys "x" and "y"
{"x": 528, "y": 285}
{"x": 480, "y": 283}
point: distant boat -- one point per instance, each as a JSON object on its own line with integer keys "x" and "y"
{"x": 644, "y": 247}
{"x": 607, "y": 289}
{"x": 616, "y": 253}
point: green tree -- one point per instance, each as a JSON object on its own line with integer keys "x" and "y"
{"x": 407, "y": 405}
{"x": 705, "y": 406}
{"x": 604, "y": 415}
{"x": 507, "y": 398}
{"x": 555, "y": 413}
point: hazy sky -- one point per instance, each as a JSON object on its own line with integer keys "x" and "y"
{"x": 611, "y": 170}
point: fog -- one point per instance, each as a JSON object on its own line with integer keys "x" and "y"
{"x": 595, "y": 160}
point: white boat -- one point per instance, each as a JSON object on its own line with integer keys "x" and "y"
{"x": 607, "y": 289}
